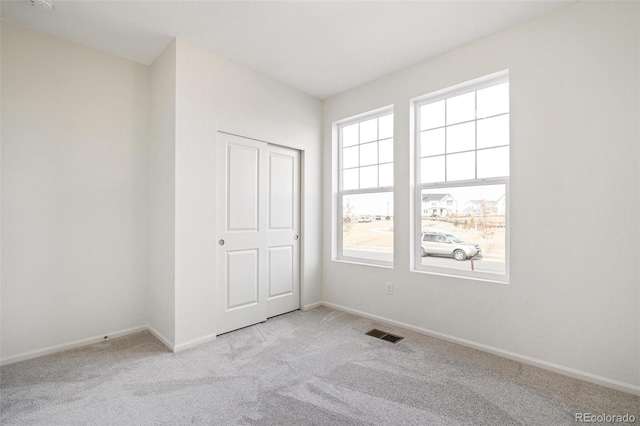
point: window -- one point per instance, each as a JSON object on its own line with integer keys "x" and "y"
{"x": 365, "y": 181}
{"x": 462, "y": 180}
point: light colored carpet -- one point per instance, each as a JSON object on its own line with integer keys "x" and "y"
{"x": 302, "y": 368}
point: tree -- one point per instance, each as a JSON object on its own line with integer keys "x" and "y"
{"x": 485, "y": 225}
{"x": 347, "y": 217}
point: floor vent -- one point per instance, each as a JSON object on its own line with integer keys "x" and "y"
{"x": 384, "y": 335}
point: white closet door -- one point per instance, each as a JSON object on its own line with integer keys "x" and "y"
{"x": 283, "y": 242}
{"x": 258, "y": 258}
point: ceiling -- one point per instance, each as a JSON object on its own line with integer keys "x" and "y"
{"x": 318, "y": 47}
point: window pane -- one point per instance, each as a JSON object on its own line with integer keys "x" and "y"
{"x": 432, "y": 169}
{"x": 350, "y": 135}
{"x": 367, "y": 231}
{"x": 432, "y": 142}
{"x": 464, "y": 218}
{"x": 493, "y": 100}
{"x": 493, "y": 131}
{"x": 369, "y": 130}
{"x": 461, "y": 108}
{"x": 386, "y": 151}
{"x": 461, "y": 166}
{"x": 369, "y": 177}
{"x": 350, "y": 179}
{"x": 385, "y": 125}
{"x": 461, "y": 137}
{"x": 493, "y": 162}
{"x": 350, "y": 157}
{"x": 432, "y": 115}
{"x": 386, "y": 175}
{"x": 369, "y": 154}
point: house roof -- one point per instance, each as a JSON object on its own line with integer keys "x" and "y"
{"x": 435, "y": 197}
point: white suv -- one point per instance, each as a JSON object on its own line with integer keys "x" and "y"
{"x": 436, "y": 243}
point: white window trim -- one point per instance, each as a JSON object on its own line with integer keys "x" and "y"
{"x": 341, "y": 193}
{"x": 416, "y": 232}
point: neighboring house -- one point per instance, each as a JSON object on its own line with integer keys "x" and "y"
{"x": 438, "y": 204}
{"x": 474, "y": 207}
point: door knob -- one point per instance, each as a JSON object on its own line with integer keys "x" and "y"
{"x": 295, "y": 237}
{"x": 220, "y": 242}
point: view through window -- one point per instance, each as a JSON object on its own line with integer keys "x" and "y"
{"x": 368, "y": 226}
{"x": 472, "y": 221}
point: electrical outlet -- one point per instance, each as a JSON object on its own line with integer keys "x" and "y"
{"x": 389, "y": 288}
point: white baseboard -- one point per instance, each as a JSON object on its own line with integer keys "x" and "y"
{"x": 163, "y": 339}
{"x": 311, "y": 306}
{"x": 71, "y": 345}
{"x": 101, "y": 338}
{"x": 556, "y": 368}
{"x": 195, "y": 342}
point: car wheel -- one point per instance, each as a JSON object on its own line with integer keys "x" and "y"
{"x": 459, "y": 255}
{"x": 422, "y": 252}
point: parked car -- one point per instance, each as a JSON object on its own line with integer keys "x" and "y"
{"x": 439, "y": 244}
{"x": 364, "y": 219}
{"x": 378, "y": 217}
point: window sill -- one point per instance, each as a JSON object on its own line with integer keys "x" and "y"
{"x": 363, "y": 262}
{"x": 504, "y": 281}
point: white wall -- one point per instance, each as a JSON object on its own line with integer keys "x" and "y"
{"x": 0, "y": 181}
{"x": 162, "y": 202}
{"x": 574, "y": 298}
{"x": 195, "y": 198}
{"x": 75, "y": 192}
{"x": 216, "y": 94}
{"x": 108, "y": 178}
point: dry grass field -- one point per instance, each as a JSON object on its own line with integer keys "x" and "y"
{"x": 376, "y": 236}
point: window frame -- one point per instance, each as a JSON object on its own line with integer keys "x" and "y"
{"x": 418, "y": 187}
{"x": 341, "y": 193}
